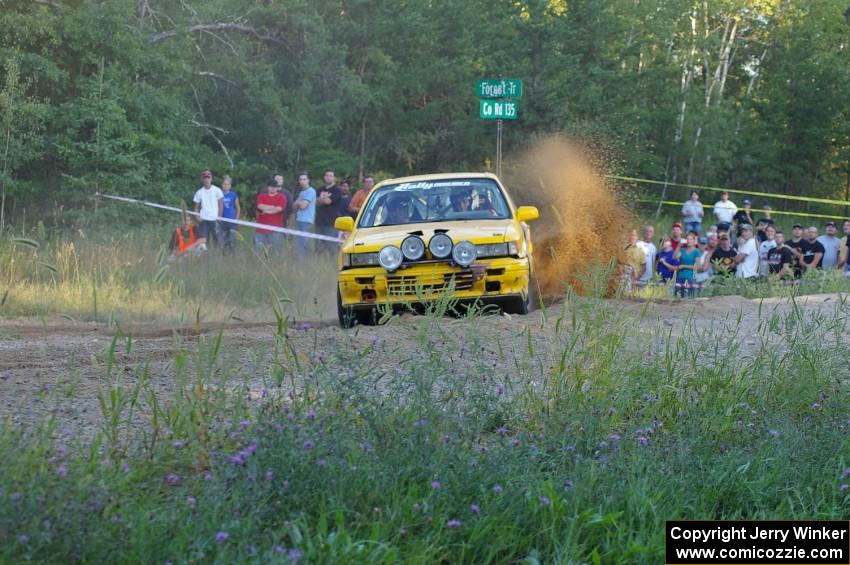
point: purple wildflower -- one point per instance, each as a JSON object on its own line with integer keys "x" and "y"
{"x": 453, "y": 523}
{"x": 61, "y": 451}
{"x": 23, "y": 538}
{"x": 308, "y": 444}
{"x": 61, "y": 471}
{"x": 615, "y": 437}
{"x": 208, "y": 476}
{"x": 16, "y": 496}
{"x": 172, "y": 479}
{"x": 179, "y": 443}
{"x": 321, "y": 462}
{"x": 773, "y": 433}
{"x": 125, "y": 467}
{"x": 294, "y": 555}
{"x": 500, "y": 389}
{"x": 115, "y": 519}
{"x": 402, "y": 531}
{"x": 474, "y": 508}
{"x": 221, "y": 537}
{"x": 279, "y": 549}
{"x": 374, "y": 340}
{"x": 252, "y": 448}
{"x": 568, "y": 485}
{"x": 238, "y": 459}
{"x": 6, "y": 376}
{"x": 544, "y": 501}
{"x": 191, "y": 502}
{"x": 243, "y": 425}
{"x": 643, "y": 441}
{"x": 311, "y": 414}
{"x": 435, "y": 485}
{"x": 843, "y": 487}
{"x": 497, "y": 489}
{"x": 269, "y": 475}
{"x": 846, "y": 473}
{"x": 502, "y": 430}
{"x": 515, "y": 442}
{"x": 278, "y": 427}
{"x": 816, "y": 405}
{"x": 603, "y": 444}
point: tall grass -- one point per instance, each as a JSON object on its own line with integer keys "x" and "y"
{"x": 463, "y": 446}
{"x": 128, "y": 277}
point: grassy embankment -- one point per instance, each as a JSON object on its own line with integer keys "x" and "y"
{"x": 573, "y": 450}
{"x": 128, "y": 278}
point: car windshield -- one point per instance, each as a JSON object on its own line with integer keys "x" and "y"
{"x": 435, "y": 201}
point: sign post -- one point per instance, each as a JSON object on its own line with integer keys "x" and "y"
{"x": 496, "y": 104}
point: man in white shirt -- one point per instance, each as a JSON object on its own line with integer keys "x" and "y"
{"x": 209, "y": 201}
{"x": 748, "y": 255}
{"x": 724, "y": 211}
{"x": 650, "y": 252}
{"x": 831, "y": 246}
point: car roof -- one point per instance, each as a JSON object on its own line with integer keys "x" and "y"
{"x": 441, "y": 176}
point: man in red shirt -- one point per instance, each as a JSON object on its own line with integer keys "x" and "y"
{"x": 270, "y": 208}
{"x": 676, "y": 236}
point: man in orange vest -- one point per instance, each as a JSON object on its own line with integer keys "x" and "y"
{"x": 184, "y": 239}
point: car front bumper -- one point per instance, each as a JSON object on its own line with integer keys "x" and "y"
{"x": 490, "y": 280}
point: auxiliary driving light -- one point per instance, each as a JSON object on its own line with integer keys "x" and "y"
{"x": 413, "y": 248}
{"x": 390, "y": 257}
{"x": 464, "y": 253}
{"x": 440, "y": 246}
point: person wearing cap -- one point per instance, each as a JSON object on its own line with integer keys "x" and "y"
{"x": 744, "y": 216}
{"x": 831, "y": 246}
{"x": 843, "y": 264}
{"x": 765, "y": 247}
{"x": 723, "y": 256}
{"x": 811, "y": 258}
{"x": 270, "y": 208}
{"x": 724, "y": 211}
{"x": 209, "y": 205}
{"x": 748, "y": 255}
{"x": 798, "y": 245}
{"x": 676, "y": 236}
{"x": 693, "y": 213}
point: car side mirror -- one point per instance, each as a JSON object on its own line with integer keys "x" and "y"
{"x": 344, "y": 223}
{"x": 527, "y": 213}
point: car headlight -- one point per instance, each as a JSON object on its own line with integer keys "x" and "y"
{"x": 513, "y": 248}
{"x": 440, "y": 246}
{"x": 413, "y": 248}
{"x": 390, "y": 257}
{"x": 464, "y": 253}
{"x": 492, "y": 249}
{"x": 359, "y": 259}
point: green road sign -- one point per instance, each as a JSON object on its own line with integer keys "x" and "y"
{"x": 499, "y": 88}
{"x": 498, "y": 109}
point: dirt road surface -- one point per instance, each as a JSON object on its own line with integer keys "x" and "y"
{"x": 58, "y": 369}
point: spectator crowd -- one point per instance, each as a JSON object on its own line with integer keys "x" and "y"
{"x": 734, "y": 243}
{"x": 305, "y": 208}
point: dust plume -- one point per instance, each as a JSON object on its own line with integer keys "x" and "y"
{"x": 582, "y": 223}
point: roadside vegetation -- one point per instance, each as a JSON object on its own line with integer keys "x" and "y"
{"x": 572, "y": 449}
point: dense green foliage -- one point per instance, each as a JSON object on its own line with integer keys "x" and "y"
{"x": 570, "y": 449}
{"x": 135, "y": 96}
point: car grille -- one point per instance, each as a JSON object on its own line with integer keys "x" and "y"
{"x": 428, "y": 283}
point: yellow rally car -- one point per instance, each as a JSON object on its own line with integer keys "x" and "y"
{"x": 417, "y": 239}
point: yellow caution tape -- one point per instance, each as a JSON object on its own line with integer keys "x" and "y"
{"x": 733, "y": 190}
{"x": 779, "y": 212}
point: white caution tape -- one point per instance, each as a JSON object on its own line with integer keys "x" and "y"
{"x": 298, "y": 233}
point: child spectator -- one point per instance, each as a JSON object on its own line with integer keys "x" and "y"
{"x": 230, "y": 210}
{"x": 765, "y": 247}
{"x": 667, "y": 264}
{"x": 185, "y": 240}
{"x": 704, "y": 269}
{"x": 687, "y": 259}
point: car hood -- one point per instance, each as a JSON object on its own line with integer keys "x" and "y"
{"x": 477, "y": 231}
